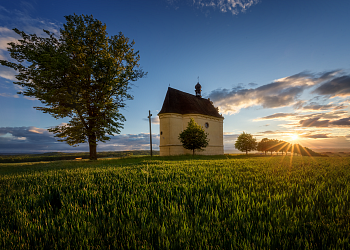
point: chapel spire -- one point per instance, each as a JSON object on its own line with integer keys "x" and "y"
{"x": 198, "y": 90}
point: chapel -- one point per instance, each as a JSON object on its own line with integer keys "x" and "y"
{"x": 178, "y": 108}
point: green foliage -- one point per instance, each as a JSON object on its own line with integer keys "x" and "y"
{"x": 263, "y": 145}
{"x": 194, "y": 137}
{"x": 222, "y": 202}
{"x": 245, "y": 142}
{"x": 84, "y": 74}
{"x": 274, "y": 145}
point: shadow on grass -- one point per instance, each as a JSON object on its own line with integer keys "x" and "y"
{"x": 29, "y": 167}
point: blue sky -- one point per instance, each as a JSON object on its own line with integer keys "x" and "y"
{"x": 274, "y": 68}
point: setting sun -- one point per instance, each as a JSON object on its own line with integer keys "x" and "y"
{"x": 294, "y": 137}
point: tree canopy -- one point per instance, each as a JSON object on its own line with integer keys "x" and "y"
{"x": 263, "y": 145}
{"x": 245, "y": 142}
{"x": 82, "y": 74}
{"x": 194, "y": 137}
{"x": 274, "y": 145}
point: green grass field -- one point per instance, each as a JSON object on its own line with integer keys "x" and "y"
{"x": 221, "y": 202}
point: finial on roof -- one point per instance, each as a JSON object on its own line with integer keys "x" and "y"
{"x": 198, "y": 89}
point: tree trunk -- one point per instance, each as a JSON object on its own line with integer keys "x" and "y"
{"x": 246, "y": 152}
{"x": 92, "y": 147}
{"x": 192, "y": 152}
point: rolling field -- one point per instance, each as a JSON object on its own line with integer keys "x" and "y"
{"x": 222, "y": 202}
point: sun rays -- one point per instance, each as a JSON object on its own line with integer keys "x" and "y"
{"x": 294, "y": 137}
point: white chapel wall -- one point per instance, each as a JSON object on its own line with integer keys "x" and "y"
{"x": 171, "y": 125}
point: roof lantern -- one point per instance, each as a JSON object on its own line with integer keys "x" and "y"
{"x": 198, "y": 90}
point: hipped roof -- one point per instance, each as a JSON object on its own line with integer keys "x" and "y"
{"x": 180, "y": 102}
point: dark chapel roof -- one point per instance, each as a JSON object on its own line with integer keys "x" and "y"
{"x": 180, "y": 102}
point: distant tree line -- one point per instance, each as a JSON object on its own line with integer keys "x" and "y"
{"x": 278, "y": 146}
{"x": 245, "y": 143}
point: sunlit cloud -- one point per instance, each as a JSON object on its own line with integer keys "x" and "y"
{"x": 344, "y": 122}
{"x": 280, "y": 93}
{"x": 339, "y": 86}
{"x": 270, "y": 132}
{"x": 313, "y": 106}
{"x": 314, "y": 122}
{"x": 317, "y": 122}
{"x": 277, "y": 116}
{"x": 315, "y": 136}
{"x": 37, "y": 130}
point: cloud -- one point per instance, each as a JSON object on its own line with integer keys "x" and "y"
{"x": 7, "y": 73}
{"x": 10, "y": 136}
{"x": 280, "y": 93}
{"x": 319, "y": 107}
{"x": 4, "y": 9}
{"x": 277, "y": 116}
{"x": 329, "y": 115}
{"x": 230, "y": 136}
{"x": 23, "y": 21}
{"x": 131, "y": 142}
{"x": 341, "y": 122}
{"x": 6, "y": 36}
{"x": 252, "y": 84}
{"x": 5, "y": 30}
{"x": 269, "y": 132}
{"x": 229, "y": 142}
{"x": 233, "y": 6}
{"x": 314, "y": 122}
{"x": 33, "y": 140}
{"x": 154, "y": 120}
{"x": 30, "y": 98}
{"x": 339, "y": 86}
{"x": 329, "y": 144}
{"x": 315, "y": 136}
{"x": 317, "y": 122}
{"x": 8, "y": 95}
{"x": 310, "y": 120}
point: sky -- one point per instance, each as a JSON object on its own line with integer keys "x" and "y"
{"x": 277, "y": 69}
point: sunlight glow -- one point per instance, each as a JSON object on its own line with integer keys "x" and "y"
{"x": 294, "y": 137}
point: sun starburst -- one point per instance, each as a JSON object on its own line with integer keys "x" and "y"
{"x": 294, "y": 137}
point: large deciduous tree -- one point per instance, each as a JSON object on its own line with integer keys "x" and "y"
{"x": 82, "y": 74}
{"x": 194, "y": 137}
{"x": 245, "y": 142}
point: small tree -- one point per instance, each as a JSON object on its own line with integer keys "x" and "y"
{"x": 273, "y": 143}
{"x": 263, "y": 145}
{"x": 245, "y": 142}
{"x": 284, "y": 147}
{"x": 194, "y": 137}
